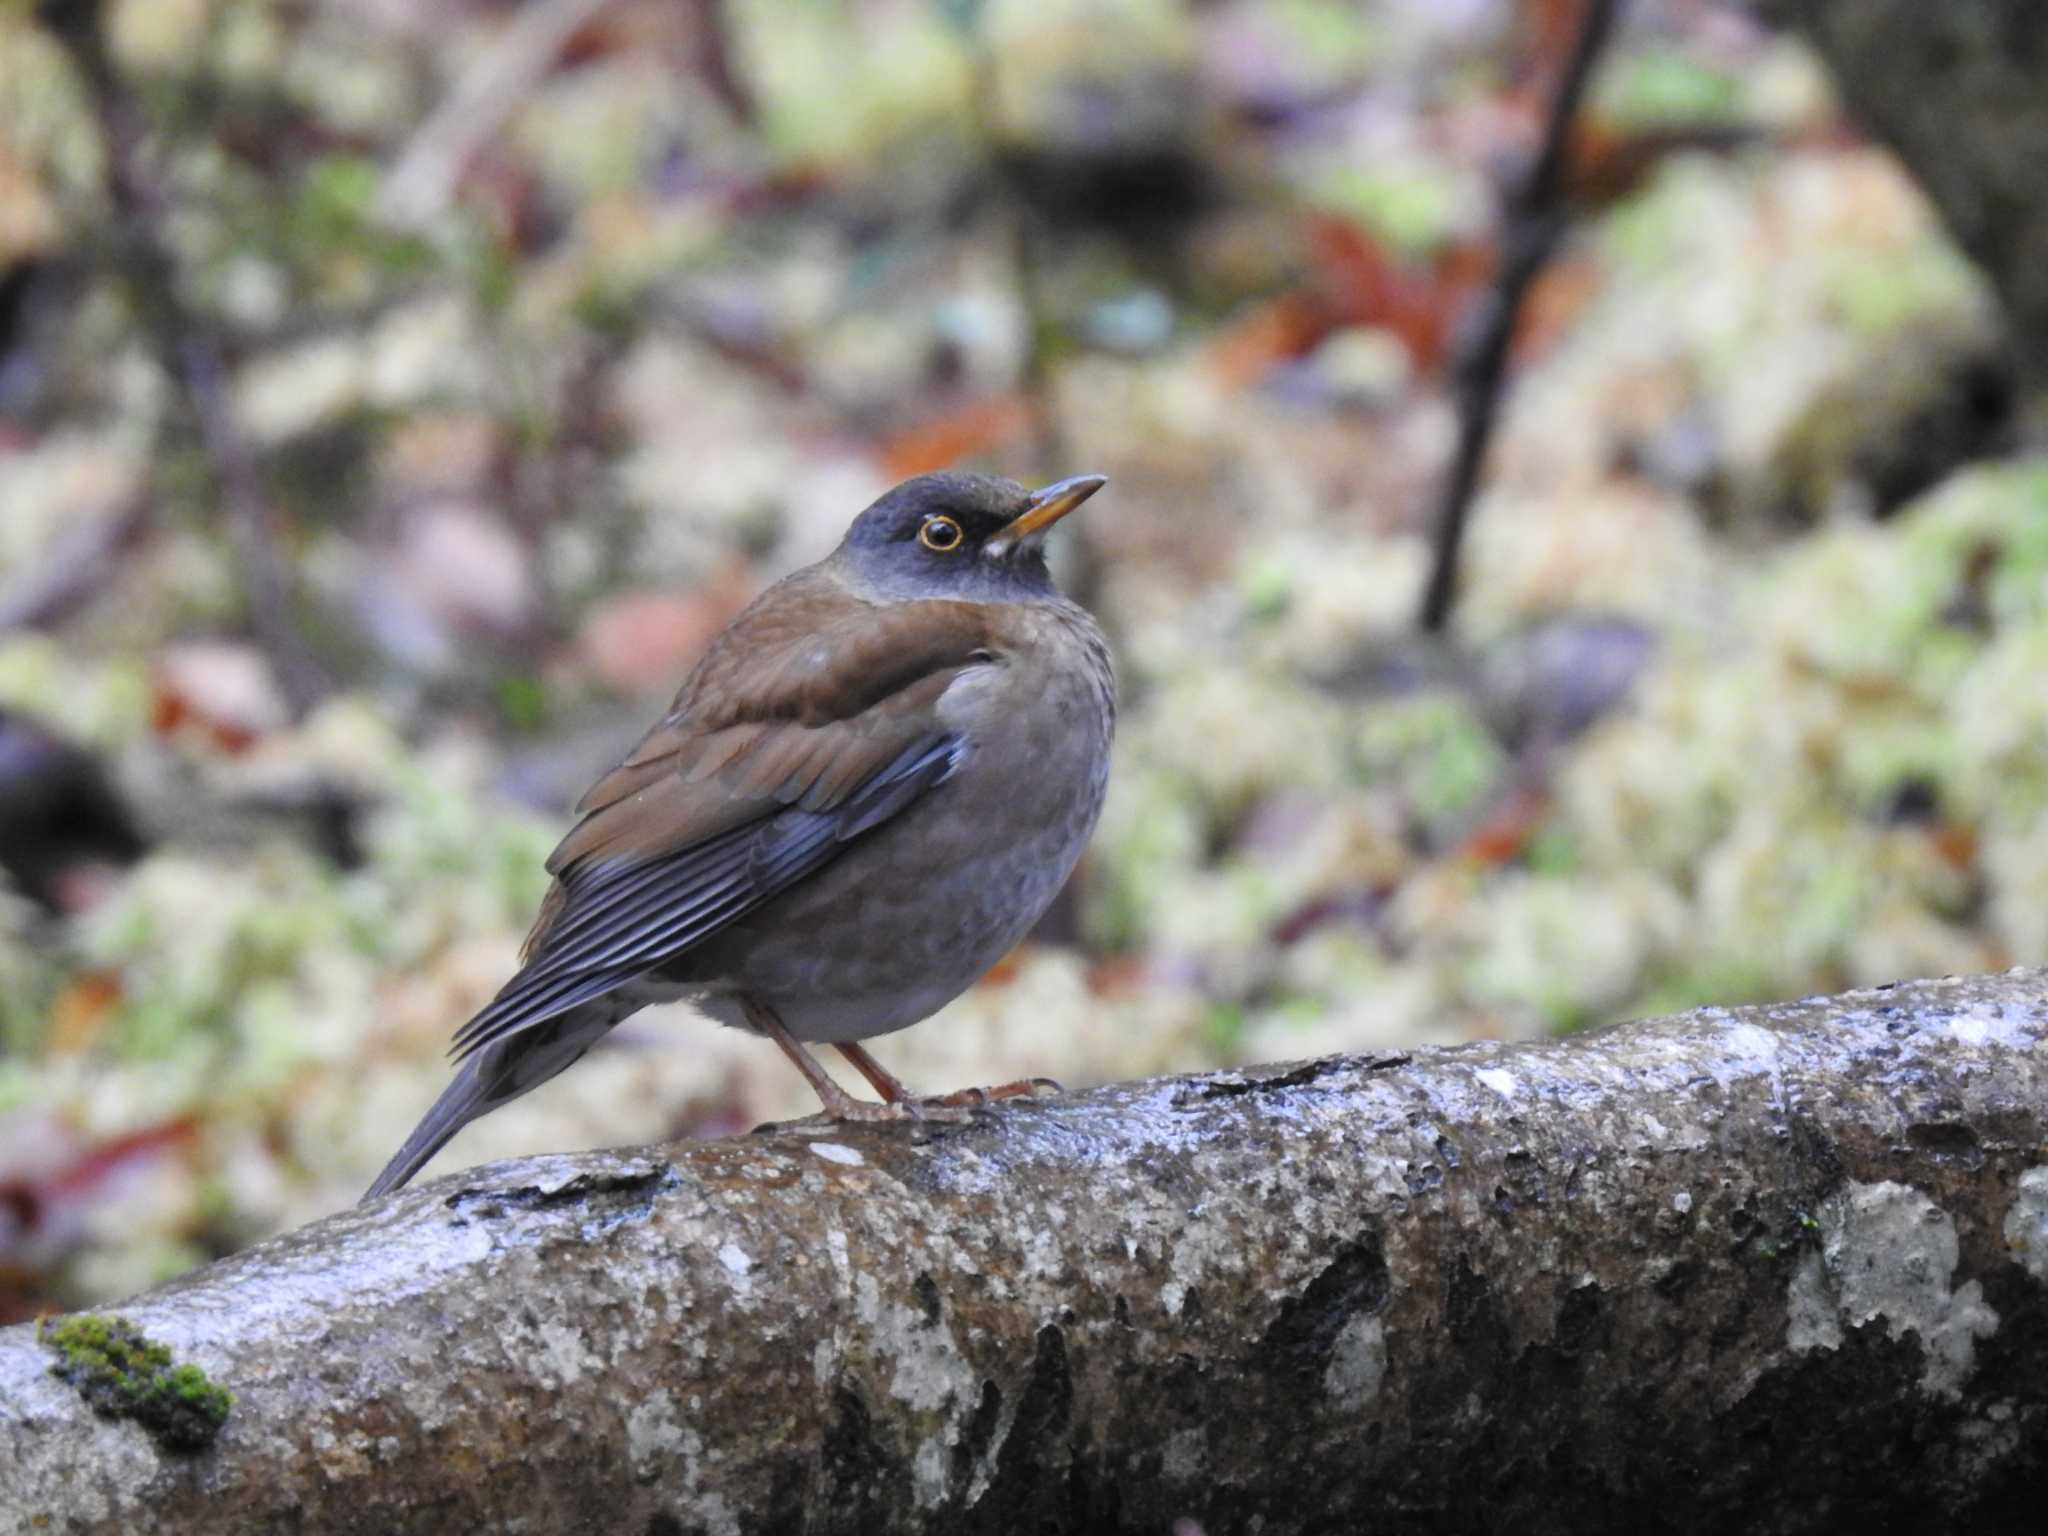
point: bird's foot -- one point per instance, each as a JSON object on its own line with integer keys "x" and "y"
{"x": 844, "y": 1106}
{"x": 954, "y": 1107}
{"x": 863, "y": 1112}
{"x": 974, "y": 1098}
{"x": 940, "y": 1111}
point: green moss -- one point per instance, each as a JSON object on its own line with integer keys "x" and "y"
{"x": 1710, "y": 979}
{"x": 1435, "y": 748}
{"x": 1268, "y": 587}
{"x": 522, "y": 702}
{"x": 1411, "y": 207}
{"x": 124, "y": 1374}
{"x": 1660, "y": 87}
{"x": 1223, "y": 1028}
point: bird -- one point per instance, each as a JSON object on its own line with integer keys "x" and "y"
{"x": 865, "y": 793}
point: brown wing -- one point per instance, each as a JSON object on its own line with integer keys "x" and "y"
{"x": 783, "y": 710}
{"x": 788, "y": 741}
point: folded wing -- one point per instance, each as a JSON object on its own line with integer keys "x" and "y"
{"x": 780, "y": 751}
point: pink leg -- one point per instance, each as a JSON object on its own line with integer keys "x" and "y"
{"x": 884, "y": 1082}
{"x": 891, "y": 1087}
{"x": 839, "y": 1104}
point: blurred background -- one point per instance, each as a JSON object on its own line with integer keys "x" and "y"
{"x": 395, "y": 397}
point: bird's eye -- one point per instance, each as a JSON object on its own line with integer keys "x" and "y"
{"x": 940, "y": 534}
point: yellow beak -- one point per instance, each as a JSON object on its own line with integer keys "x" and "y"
{"x": 1051, "y": 504}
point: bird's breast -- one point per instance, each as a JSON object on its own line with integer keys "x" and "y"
{"x": 1038, "y": 720}
{"x": 921, "y": 907}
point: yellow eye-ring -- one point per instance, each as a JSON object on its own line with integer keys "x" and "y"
{"x": 940, "y": 534}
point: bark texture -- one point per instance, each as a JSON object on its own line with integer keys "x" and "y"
{"x": 1959, "y": 90}
{"x": 1772, "y": 1269}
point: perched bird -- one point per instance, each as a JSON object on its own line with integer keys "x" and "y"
{"x": 864, "y": 795}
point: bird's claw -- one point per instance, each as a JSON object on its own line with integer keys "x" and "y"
{"x": 947, "y": 1110}
{"x": 1022, "y": 1088}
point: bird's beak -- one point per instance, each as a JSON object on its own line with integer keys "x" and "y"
{"x": 1049, "y": 505}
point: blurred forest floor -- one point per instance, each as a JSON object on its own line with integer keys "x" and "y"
{"x": 394, "y": 398}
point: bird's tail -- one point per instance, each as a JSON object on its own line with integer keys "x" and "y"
{"x": 495, "y": 1075}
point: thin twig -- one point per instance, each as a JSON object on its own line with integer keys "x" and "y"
{"x": 420, "y": 185}
{"x": 74, "y": 569}
{"x": 1536, "y": 217}
{"x": 188, "y": 354}
{"x": 711, "y": 55}
{"x": 266, "y": 578}
{"x": 1050, "y": 454}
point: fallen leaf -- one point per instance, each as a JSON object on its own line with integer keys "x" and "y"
{"x": 80, "y": 1011}
{"x": 1505, "y": 833}
{"x": 221, "y": 694}
{"x": 962, "y": 432}
{"x": 639, "y": 642}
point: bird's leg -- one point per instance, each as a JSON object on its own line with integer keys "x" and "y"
{"x": 839, "y": 1104}
{"x": 891, "y": 1087}
{"x": 884, "y": 1082}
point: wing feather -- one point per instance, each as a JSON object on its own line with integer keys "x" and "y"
{"x": 621, "y": 919}
{"x": 811, "y": 721}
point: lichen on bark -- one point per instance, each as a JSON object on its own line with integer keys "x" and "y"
{"x": 1789, "y": 1252}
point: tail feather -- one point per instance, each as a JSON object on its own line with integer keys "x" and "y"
{"x": 460, "y": 1102}
{"x": 496, "y": 1075}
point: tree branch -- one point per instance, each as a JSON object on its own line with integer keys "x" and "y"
{"x": 1536, "y": 218}
{"x": 421, "y": 184}
{"x": 185, "y": 348}
{"x": 1955, "y": 91}
{"x": 1788, "y": 1263}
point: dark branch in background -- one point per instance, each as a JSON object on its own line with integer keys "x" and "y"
{"x": 711, "y": 55}
{"x": 266, "y": 578}
{"x": 1954, "y": 90}
{"x": 1050, "y": 453}
{"x": 1536, "y": 217}
{"x": 189, "y": 356}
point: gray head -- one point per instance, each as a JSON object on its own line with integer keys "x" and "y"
{"x": 979, "y": 537}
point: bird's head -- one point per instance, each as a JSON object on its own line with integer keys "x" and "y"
{"x": 978, "y": 537}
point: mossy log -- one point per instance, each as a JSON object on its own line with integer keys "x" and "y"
{"x": 1778, "y": 1268}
